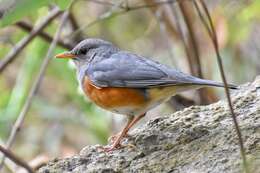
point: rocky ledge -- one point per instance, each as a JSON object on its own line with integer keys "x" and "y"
{"x": 198, "y": 139}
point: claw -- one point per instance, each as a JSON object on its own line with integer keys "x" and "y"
{"x": 110, "y": 148}
{"x": 113, "y": 138}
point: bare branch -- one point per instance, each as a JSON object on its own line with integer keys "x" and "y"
{"x": 113, "y": 12}
{"x": 75, "y": 26}
{"x": 137, "y": 7}
{"x": 165, "y": 17}
{"x": 16, "y": 159}
{"x": 212, "y": 33}
{"x": 28, "y": 28}
{"x": 104, "y": 16}
{"x": 182, "y": 37}
{"x": 24, "y": 42}
{"x": 103, "y": 2}
{"x": 192, "y": 38}
{"x": 35, "y": 85}
{"x": 193, "y": 47}
{"x": 163, "y": 31}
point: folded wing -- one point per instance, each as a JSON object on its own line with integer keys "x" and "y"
{"x": 124, "y": 69}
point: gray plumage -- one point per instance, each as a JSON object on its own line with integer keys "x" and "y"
{"x": 108, "y": 66}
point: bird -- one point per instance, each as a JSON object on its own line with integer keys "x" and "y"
{"x": 126, "y": 83}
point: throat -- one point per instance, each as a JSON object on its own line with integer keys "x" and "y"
{"x": 81, "y": 73}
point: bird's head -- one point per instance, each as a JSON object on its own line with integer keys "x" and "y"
{"x": 84, "y": 51}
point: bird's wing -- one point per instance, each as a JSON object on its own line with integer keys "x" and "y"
{"x": 124, "y": 69}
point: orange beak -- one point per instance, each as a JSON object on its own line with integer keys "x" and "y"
{"x": 65, "y": 55}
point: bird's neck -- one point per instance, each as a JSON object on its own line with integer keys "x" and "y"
{"x": 81, "y": 72}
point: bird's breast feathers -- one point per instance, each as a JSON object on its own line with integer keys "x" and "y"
{"x": 112, "y": 97}
{"x": 127, "y": 100}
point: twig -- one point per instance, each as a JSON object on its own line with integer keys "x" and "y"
{"x": 193, "y": 46}
{"x": 35, "y": 85}
{"x": 182, "y": 37}
{"x": 104, "y": 16}
{"x": 166, "y": 17}
{"x": 28, "y": 28}
{"x": 102, "y": 2}
{"x": 10, "y": 165}
{"x": 75, "y": 26}
{"x": 134, "y": 7}
{"x": 24, "y": 42}
{"x": 163, "y": 32}
{"x": 137, "y": 7}
{"x": 112, "y": 13}
{"x": 212, "y": 33}
{"x": 16, "y": 159}
{"x": 193, "y": 42}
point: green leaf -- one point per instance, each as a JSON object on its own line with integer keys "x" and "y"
{"x": 63, "y": 4}
{"x": 21, "y": 9}
{"x": 244, "y": 20}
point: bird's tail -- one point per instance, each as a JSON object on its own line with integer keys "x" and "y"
{"x": 205, "y": 82}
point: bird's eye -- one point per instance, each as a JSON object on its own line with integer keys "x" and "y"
{"x": 82, "y": 51}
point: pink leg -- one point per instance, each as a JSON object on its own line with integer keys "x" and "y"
{"x": 136, "y": 120}
{"x": 123, "y": 133}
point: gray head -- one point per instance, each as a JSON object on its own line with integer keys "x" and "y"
{"x": 86, "y": 49}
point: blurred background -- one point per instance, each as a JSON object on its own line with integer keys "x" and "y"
{"x": 60, "y": 120}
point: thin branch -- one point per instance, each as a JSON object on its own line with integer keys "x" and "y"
{"x": 104, "y": 16}
{"x": 26, "y": 40}
{"x": 35, "y": 85}
{"x": 182, "y": 37}
{"x": 75, "y": 26}
{"x": 10, "y": 165}
{"x": 113, "y": 13}
{"x": 212, "y": 33}
{"x": 193, "y": 41}
{"x": 102, "y": 2}
{"x": 137, "y": 7}
{"x": 158, "y": 3}
{"x": 204, "y": 21}
{"x": 166, "y": 17}
{"x": 28, "y": 28}
{"x": 16, "y": 159}
{"x": 193, "y": 46}
{"x": 164, "y": 35}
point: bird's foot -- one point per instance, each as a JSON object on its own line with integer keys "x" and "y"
{"x": 110, "y": 148}
{"x": 116, "y": 146}
{"x": 115, "y": 141}
{"x": 113, "y": 138}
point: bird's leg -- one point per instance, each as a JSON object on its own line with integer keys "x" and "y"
{"x": 116, "y": 142}
{"x": 130, "y": 123}
{"x": 136, "y": 120}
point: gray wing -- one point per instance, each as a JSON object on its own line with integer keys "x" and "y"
{"x": 124, "y": 69}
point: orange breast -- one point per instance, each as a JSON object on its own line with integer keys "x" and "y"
{"x": 111, "y": 97}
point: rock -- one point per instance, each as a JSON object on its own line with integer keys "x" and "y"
{"x": 198, "y": 139}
